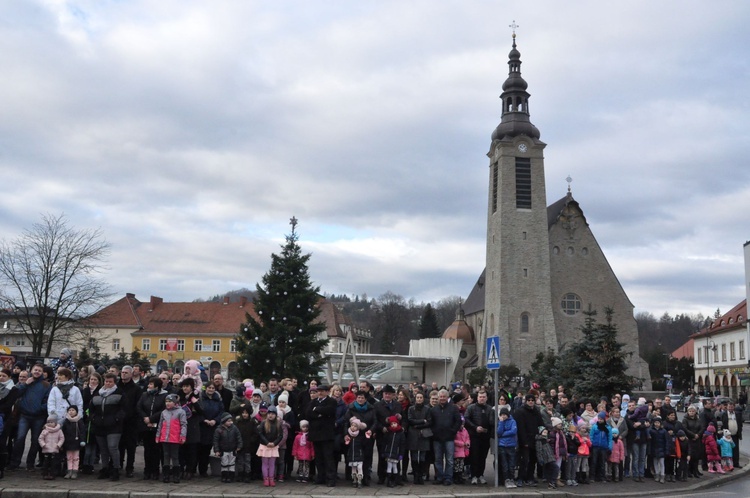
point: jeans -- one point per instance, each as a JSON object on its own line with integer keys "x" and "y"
{"x": 639, "y": 459}
{"x": 26, "y": 423}
{"x": 109, "y": 446}
{"x": 598, "y": 462}
{"x": 443, "y": 451}
{"x": 507, "y": 456}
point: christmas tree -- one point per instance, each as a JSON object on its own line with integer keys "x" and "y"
{"x": 284, "y": 339}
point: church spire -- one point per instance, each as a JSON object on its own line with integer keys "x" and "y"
{"x": 515, "y": 118}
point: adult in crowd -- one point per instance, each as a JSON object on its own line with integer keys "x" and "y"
{"x": 271, "y": 395}
{"x": 303, "y": 400}
{"x": 129, "y": 439}
{"x": 731, "y": 420}
{"x": 385, "y": 408}
{"x": 64, "y": 360}
{"x": 223, "y": 391}
{"x": 446, "y": 422}
{"x": 32, "y": 412}
{"x": 321, "y": 413}
{"x": 149, "y": 408}
{"x": 418, "y": 437}
{"x": 479, "y": 421}
{"x": 213, "y": 408}
{"x": 190, "y": 402}
{"x": 91, "y": 451}
{"x": 404, "y": 399}
{"x": 528, "y": 420}
{"x": 108, "y": 415}
{"x": 139, "y": 378}
{"x": 365, "y": 412}
{"x": 368, "y": 389}
{"x": 8, "y": 395}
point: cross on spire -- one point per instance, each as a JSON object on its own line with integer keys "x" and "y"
{"x": 513, "y": 26}
{"x": 569, "y": 180}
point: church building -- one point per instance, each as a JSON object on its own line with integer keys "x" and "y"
{"x": 544, "y": 267}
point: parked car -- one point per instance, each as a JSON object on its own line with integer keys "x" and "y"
{"x": 698, "y": 402}
{"x": 676, "y": 402}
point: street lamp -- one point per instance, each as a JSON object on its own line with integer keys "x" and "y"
{"x": 710, "y": 346}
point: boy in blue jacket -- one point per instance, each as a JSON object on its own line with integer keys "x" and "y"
{"x": 507, "y": 441}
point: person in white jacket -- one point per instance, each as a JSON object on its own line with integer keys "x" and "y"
{"x": 64, "y": 394}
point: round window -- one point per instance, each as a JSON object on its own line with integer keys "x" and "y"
{"x": 571, "y": 304}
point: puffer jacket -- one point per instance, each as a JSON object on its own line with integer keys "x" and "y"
{"x": 75, "y": 433}
{"x": 461, "y": 444}
{"x": 227, "y": 439}
{"x": 659, "y": 439}
{"x": 172, "y": 426}
{"x": 303, "y": 448}
{"x": 51, "y": 439}
{"x": 618, "y": 451}
{"x": 507, "y": 433}
{"x": 213, "y": 408}
{"x": 477, "y": 415}
{"x": 601, "y": 438}
{"x": 108, "y": 413}
{"x": 712, "y": 449}
{"x": 150, "y": 405}
{"x": 248, "y": 428}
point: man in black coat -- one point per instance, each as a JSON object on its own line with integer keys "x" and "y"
{"x": 528, "y": 420}
{"x": 385, "y": 408}
{"x": 479, "y": 421}
{"x": 129, "y": 439}
{"x": 321, "y": 413}
{"x": 446, "y": 422}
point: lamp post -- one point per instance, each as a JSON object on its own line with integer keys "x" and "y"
{"x": 710, "y": 346}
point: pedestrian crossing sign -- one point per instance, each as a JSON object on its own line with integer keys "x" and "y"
{"x": 493, "y": 352}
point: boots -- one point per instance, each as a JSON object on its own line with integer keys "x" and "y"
{"x": 68, "y": 474}
{"x": 103, "y": 474}
{"x": 240, "y": 477}
{"x": 360, "y": 478}
{"x": 165, "y": 471}
{"x": 114, "y": 475}
{"x": 418, "y": 473}
{"x": 391, "y": 480}
{"x": 74, "y": 474}
{"x": 176, "y": 472}
{"x": 355, "y": 480}
{"x": 223, "y": 476}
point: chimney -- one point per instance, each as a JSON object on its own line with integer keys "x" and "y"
{"x": 130, "y": 295}
{"x": 226, "y": 300}
{"x": 243, "y": 301}
{"x": 155, "y": 301}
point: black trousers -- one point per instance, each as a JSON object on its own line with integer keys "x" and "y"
{"x": 526, "y": 463}
{"x": 128, "y": 444}
{"x": 151, "y": 453}
{"x": 325, "y": 461}
{"x": 480, "y": 447}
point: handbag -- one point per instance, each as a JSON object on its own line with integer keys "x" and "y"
{"x": 426, "y": 432}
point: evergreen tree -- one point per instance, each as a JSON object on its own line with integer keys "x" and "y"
{"x": 596, "y": 365}
{"x": 428, "y": 325}
{"x": 284, "y": 339}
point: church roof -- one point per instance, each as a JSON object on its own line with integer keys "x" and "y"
{"x": 475, "y": 301}
{"x": 459, "y": 329}
{"x": 555, "y": 209}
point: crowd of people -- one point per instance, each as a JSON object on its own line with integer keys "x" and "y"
{"x": 192, "y": 426}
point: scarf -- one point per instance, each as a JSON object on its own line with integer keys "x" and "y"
{"x": 353, "y": 433}
{"x": 5, "y": 388}
{"x": 104, "y": 392}
{"x": 358, "y": 407}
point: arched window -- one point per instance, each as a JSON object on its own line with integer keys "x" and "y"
{"x": 524, "y": 323}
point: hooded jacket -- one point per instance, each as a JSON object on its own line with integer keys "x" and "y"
{"x": 172, "y": 426}
{"x": 51, "y": 439}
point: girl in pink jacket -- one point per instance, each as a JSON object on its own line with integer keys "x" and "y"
{"x": 617, "y": 456}
{"x": 460, "y": 453}
{"x": 50, "y": 441}
{"x": 303, "y": 451}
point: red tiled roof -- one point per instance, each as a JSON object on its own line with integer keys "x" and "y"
{"x": 684, "y": 351}
{"x": 734, "y": 318}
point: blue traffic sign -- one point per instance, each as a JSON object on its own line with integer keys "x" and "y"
{"x": 493, "y": 352}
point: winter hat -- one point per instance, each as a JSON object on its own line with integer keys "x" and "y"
{"x": 304, "y": 423}
{"x": 641, "y": 401}
{"x": 505, "y": 411}
{"x": 529, "y": 397}
{"x": 615, "y": 432}
{"x": 173, "y": 398}
{"x": 73, "y": 407}
{"x": 389, "y": 389}
{"x": 556, "y": 421}
{"x": 66, "y": 352}
{"x": 625, "y": 398}
{"x": 257, "y": 392}
{"x": 226, "y": 416}
{"x": 656, "y": 419}
{"x": 711, "y": 429}
{"x": 681, "y": 433}
{"x": 393, "y": 419}
{"x": 541, "y": 429}
{"x": 52, "y": 418}
{"x": 602, "y": 415}
{"x": 263, "y": 407}
{"x": 272, "y": 409}
{"x": 360, "y": 424}
{"x": 284, "y": 397}
{"x": 727, "y": 434}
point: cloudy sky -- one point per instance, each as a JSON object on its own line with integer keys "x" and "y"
{"x": 191, "y": 131}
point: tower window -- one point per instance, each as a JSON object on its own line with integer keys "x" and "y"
{"x": 525, "y": 323}
{"x": 494, "y": 188}
{"x": 525, "y": 272}
{"x": 523, "y": 183}
{"x": 571, "y": 304}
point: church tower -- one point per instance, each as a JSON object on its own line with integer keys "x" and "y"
{"x": 518, "y": 304}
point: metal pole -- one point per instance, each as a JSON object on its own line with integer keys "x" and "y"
{"x": 494, "y": 434}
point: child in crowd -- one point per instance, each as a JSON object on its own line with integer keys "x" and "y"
{"x": 461, "y": 444}
{"x": 546, "y": 457}
{"x": 713, "y": 457}
{"x": 50, "y": 441}
{"x": 394, "y": 443}
{"x": 584, "y": 450}
{"x": 682, "y": 450}
{"x": 171, "y": 433}
{"x": 227, "y": 443}
{"x": 507, "y": 440}
{"x": 355, "y": 442}
{"x": 658, "y": 436}
{"x": 271, "y": 432}
{"x": 617, "y": 456}
{"x": 303, "y": 451}
{"x": 74, "y": 431}
{"x": 726, "y": 445}
{"x": 559, "y": 446}
{"x": 572, "y": 440}
{"x": 248, "y": 428}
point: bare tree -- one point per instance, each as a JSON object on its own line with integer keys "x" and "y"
{"x": 48, "y": 278}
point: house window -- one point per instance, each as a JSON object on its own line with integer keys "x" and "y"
{"x": 723, "y": 352}
{"x": 145, "y": 344}
{"x": 20, "y": 341}
{"x": 523, "y": 183}
{"x": 742, "y": 350}
{"x": 198, "y": 345}
{"x": 162, "y": 344}
{"x": 115, "y": 344}
{"x": 571, "y": 304}
{"x": 180, "y": 344}
{"x": 233, "y": 346}
{"x": 92, "y": 344}
{"x": 700, "y": 356}
{"x": 732, "y": 353}
{"x": 7, "y": 341}
{"x": 216, "y": 345}
{"x": 716, "y": 354}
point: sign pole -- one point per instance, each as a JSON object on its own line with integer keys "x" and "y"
{"x": 493, "y": 363}
{"x": 494, "y": 434}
